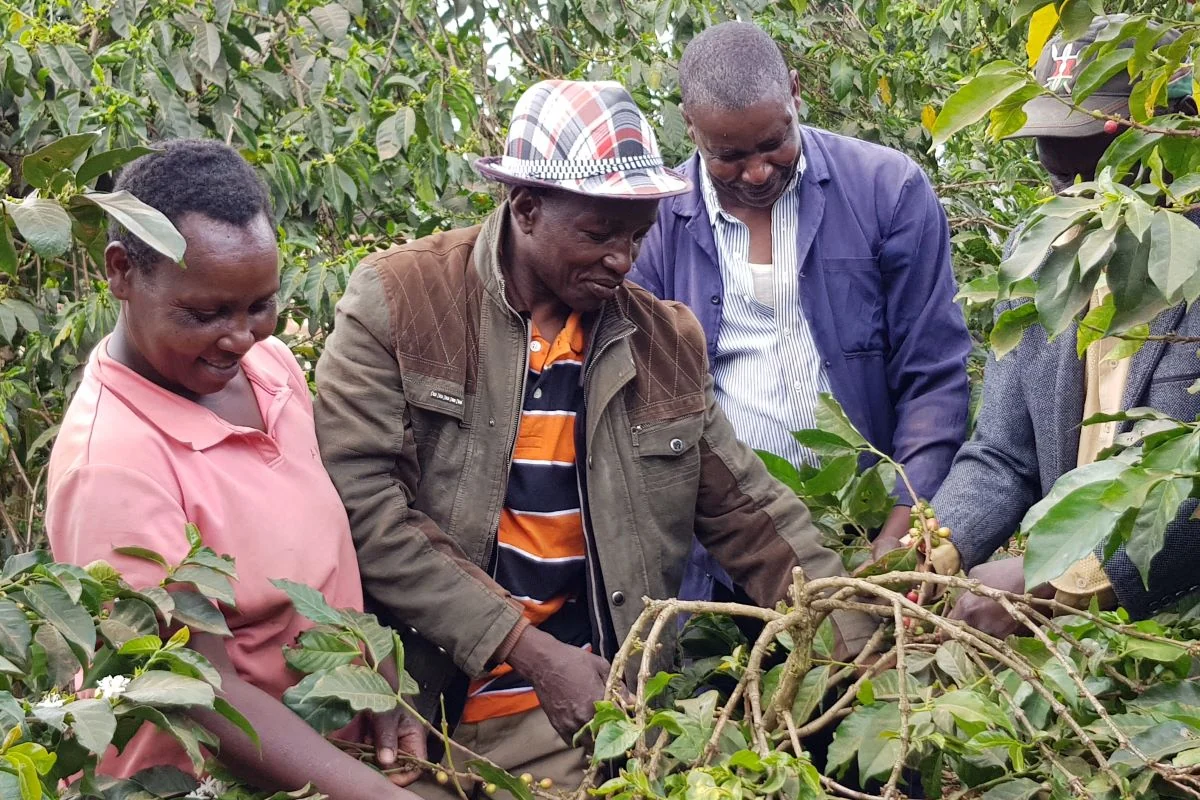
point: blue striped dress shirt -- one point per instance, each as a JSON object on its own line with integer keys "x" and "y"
{"x": 767, "y": 372}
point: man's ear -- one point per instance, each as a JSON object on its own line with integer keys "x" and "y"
{"x": 794, "y": 87}
{"x": 687, "y": 124}
{"x": 526, "y": 205}
{"x": 119, "y": 270}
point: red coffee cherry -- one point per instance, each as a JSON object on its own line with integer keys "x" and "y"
{"x": 1111, "y": 126}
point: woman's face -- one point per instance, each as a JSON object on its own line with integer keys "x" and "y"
{"x": 190, "y": 325}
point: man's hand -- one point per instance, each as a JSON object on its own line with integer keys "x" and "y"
{"x": 569, "y": 681}
{"x": 985, "y": 614}
{"x": 892, "y": 532}
{"x": 395, "y": 732}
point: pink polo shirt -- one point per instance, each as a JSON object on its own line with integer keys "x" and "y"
{"x": 134, "y": 463}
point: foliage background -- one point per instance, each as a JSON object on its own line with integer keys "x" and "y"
{"x": 364, "y": 119}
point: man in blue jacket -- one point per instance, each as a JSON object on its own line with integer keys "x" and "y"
{"x": 815, "y": 263}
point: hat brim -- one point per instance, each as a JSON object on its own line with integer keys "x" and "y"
{"x": 1048, "y": 116}
{"x": 640, "y": 184}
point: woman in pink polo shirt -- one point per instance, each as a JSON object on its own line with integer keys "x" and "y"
{"x": 190, "y": 411}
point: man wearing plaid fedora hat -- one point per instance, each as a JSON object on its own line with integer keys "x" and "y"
{"x": 526, "y": 443}
{"x": 815, "y": 263}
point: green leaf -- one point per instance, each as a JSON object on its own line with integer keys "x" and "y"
{"x": 831, "y": 418}
{"x": 320, "y": 650}
{"x": 811, "y": 691}
{"x": 657, "y": 685}
{"x": 1075, "y": 16}
{"x": 782, "y": 470}
{"x": 614, "y": 739}
{"x": 8, "y": 250}
{"x": 1150, "y": 525}
{"x": 362, "y": 688}
{"x": 194, "y": 539}
{"x": 973, "y": 101}
{"x": 226, "y": 710}
{"x": 108, "y": 161}
{"x": 866, "y": 693}
{"x": 142, "y": 553}
{"x": 953, "y": 660}
{"x": 43, "y": 224}
{"x": 72, "y": 621}
{"x": 309, "y": 602}
{"x": 93, "y": 722}
{"x": 159, "y": 688}
{"x": 210, "y": 583}
{"x": 1174, "y": 261}
{"x": 39, "y": 167}
{"x": 1014, "y": 789}
{"x": 833, "y": 477}
{"x": 142, "y": 645}
{"x": 393, "y": 134}
{"x": 1097, "y": 73}
{"x": 1010, "y": 328}
{"x": 15, "y": 632}
{"x": 324, "y": 714}
{"x": 971, "y": 708}
{"x": 1072, "y": 520}
{"x": 1165, "y": 739}
{"x": 143, "y": 221}
{"x": 130, "y": 619}
{"x": 165, "y": 781}
{"x": 492, "y": 774}
{"x": 199, "y": 614}
{"x": 1056, "y": 217}
{"x": 331, "y": 20}
{"x": 1094, "y": 325}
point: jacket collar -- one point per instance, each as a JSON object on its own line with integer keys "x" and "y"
{"x": 176, "y": 417}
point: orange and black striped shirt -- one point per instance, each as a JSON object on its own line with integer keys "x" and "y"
{"x": 540, "y": 545}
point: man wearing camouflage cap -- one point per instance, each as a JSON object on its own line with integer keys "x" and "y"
{"x": 526, "y": 443}
{"x": 1028, "y": 433}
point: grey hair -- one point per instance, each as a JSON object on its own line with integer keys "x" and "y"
{"x": 732, "y": 66}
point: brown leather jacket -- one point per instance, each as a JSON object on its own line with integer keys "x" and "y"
{"x": 419, "y": 397}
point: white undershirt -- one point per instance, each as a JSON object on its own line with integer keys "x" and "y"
{"x": 763, "y": 277}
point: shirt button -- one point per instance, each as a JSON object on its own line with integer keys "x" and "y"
{"x": 716, "y": 299}
{"x": 618, "y": 598}
{"x": 537, "y": 394}
{"x": 535, "y": 346}
{"x": 491, "y": 422}
{"x": 827, "y": 364}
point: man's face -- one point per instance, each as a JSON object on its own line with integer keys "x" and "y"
{"x": 191, "y": 326}
{"x": 1067, "y": 158}
{"x": 579, "y": 249}
{"x": 750, "y": 153}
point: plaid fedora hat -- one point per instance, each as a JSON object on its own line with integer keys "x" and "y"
{"x": 585, "y": 137}
{"x": 1061, "y": 64}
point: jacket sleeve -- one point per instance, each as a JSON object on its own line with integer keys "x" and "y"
{"x": 408, "y": 564}
{"x": 928, "y": 338}
{"x": 650, "y": 269}
{"x": 756, "y": 527}
{"x": 994, "y": 479}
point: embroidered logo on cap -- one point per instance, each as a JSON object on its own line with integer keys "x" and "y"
{"x": 1064, "y": 68}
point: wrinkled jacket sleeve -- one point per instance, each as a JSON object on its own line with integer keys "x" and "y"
{"x": 757, "y": 528}
{"x": 408, "y": 564}
{"x": 994, "y": 479}
{"x": 928, "y": 337}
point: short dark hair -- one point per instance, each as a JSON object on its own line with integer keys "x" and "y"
{"x": 190, "y": 176}
{"x": 732, "y": 66}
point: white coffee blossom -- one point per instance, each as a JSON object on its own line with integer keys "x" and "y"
{"x": 209, "y": 789}
{"x": 112, "y": 686}
{"x": 51, "y": 700}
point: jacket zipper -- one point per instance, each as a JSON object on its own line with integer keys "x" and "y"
{"x": 589, "y": 540}
{"x": 491, "y": 560}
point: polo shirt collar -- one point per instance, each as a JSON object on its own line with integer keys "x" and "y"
{"x": 178, "y": 418}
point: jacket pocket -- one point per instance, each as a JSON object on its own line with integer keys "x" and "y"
{"x": 437, "y": 395}
{"x": 855, "y": 294}
{"x": 667, "y": 452}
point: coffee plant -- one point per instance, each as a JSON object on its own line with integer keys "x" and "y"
{"x": 84, "y": 665}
